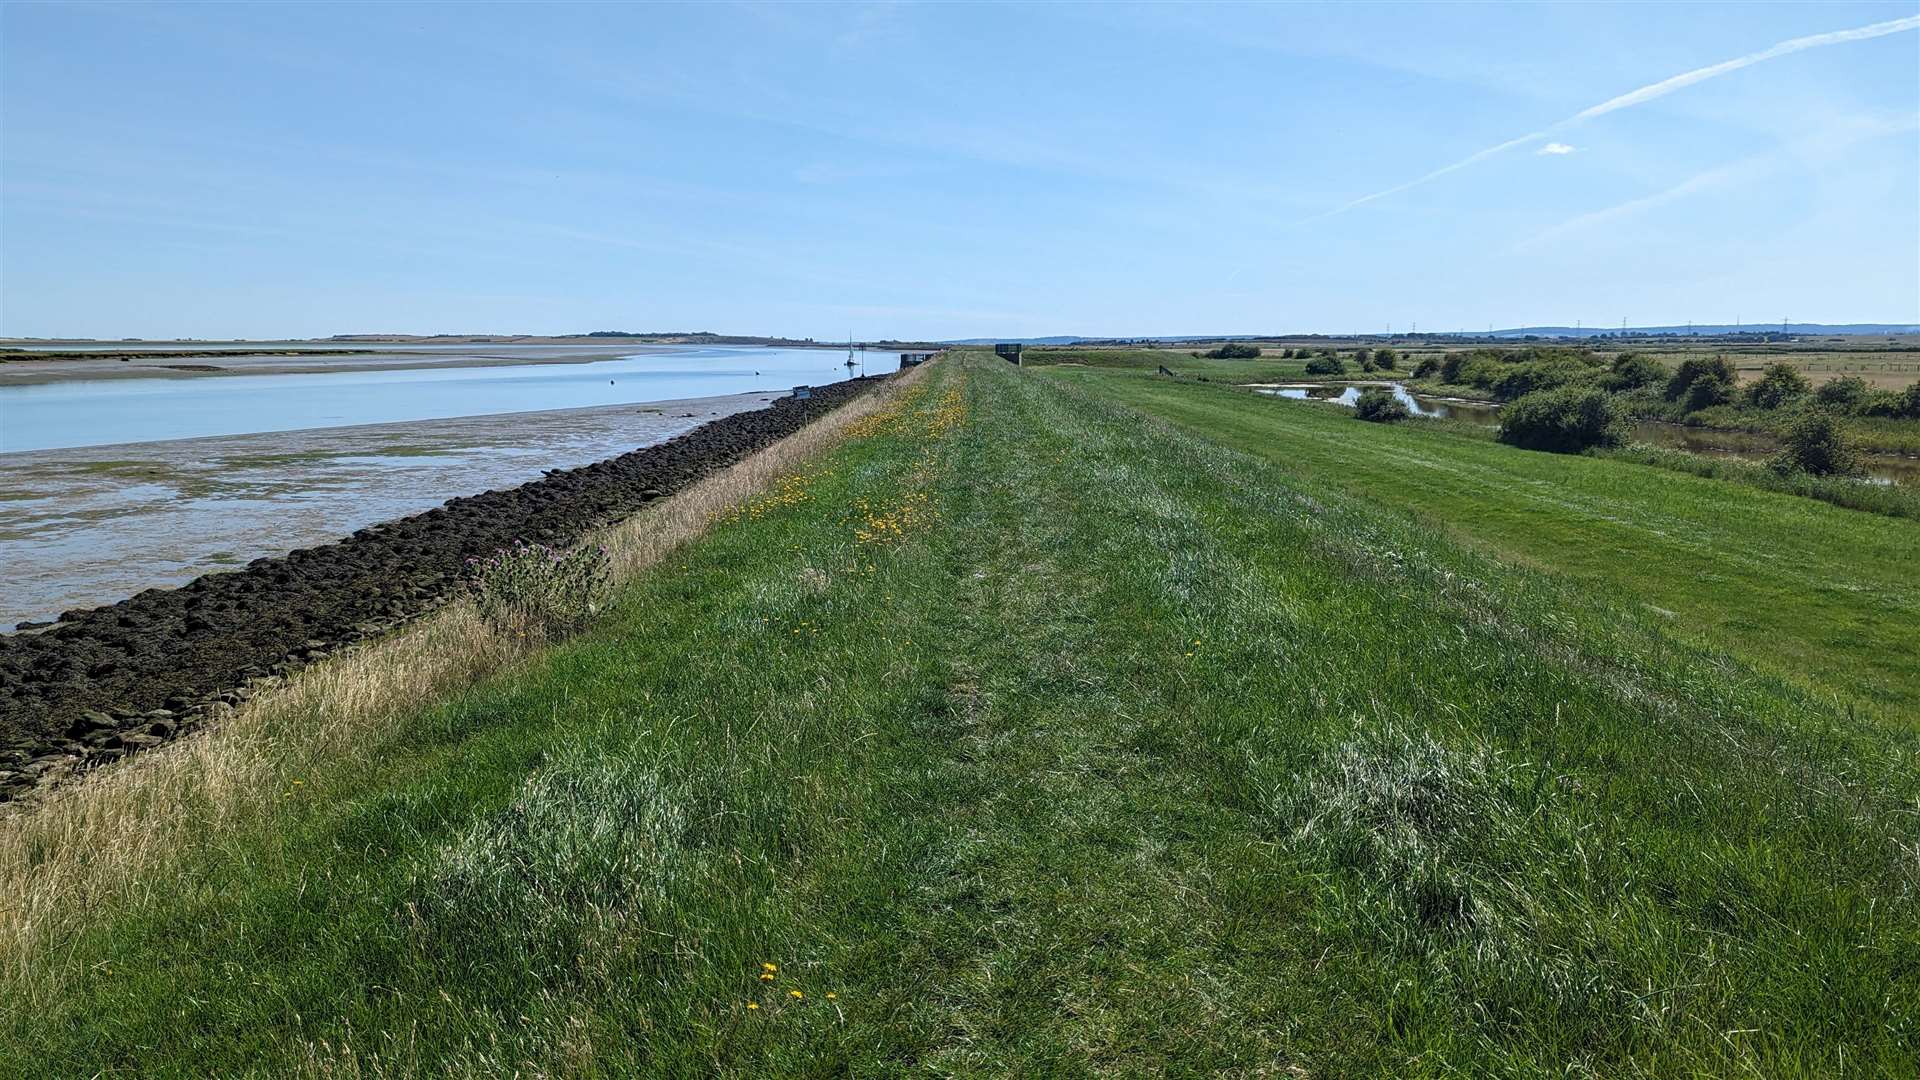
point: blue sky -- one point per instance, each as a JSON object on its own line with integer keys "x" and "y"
{"x": 948, "y": 171}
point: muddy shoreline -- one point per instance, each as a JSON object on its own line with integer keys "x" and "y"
{"x": 84, "y": 526}
{"x": 31, "y": 370}
{"x": 105, "y": 682}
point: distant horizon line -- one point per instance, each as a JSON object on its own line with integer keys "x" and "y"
{"x": 1540, "y": 330}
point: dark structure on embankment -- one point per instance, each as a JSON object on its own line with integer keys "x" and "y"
{"x": 118, "y": 678}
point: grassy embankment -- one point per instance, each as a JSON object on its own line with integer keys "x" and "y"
{"x": 1761, "y": 428}
{"x": 1265, "y": 369}
{"x": 1874, "y": 434}
{"x": 1026, "y": 735}
{"x": 1823, "y": 594}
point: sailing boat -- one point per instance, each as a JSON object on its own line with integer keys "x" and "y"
{"x": 850, "y": 362}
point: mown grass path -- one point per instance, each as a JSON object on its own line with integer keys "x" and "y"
{"x": 1827, "y": 595}
{"x": 1028, "y": 736}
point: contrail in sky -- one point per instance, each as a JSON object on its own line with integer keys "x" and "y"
{"x": 1646, "y": 94}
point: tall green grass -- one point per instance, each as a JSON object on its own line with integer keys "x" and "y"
{"x": 1118, "y": 750}
{"x": 1853, "y": 493}
{"x": 1820, "y": 594}
{"x": 1182, "y": 362}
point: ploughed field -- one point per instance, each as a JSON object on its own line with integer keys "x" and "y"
{"x": 127, "y": 676}
{"x": 1036, "y": 730}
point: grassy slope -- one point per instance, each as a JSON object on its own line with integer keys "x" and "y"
{"x": 1828, "y": 594}
{"x": 1107, "y": 748}
{"x": 1270, "y": 368}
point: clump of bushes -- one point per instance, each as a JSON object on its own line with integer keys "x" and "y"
{"x": 1566, "y": 420}
{"x": 1385, "y": 359}
{"x": 1816, "y": 445}
{"x": 1631, "y": 371}
{"x": 1326, "y": 365}
{"x": 1519, "y": 380}
{"x": 1700, "y": 369}
{"x": 1427, "y": 367}
{"x": 1705, "y": 394}
{"x": 1235, "y": 351}
{"x": 1779, "y": 384}
{"x": 1851, "y": 394}
{"x": 1847, "y": 392}
{"x": 1514, "y": 373}
{"x": 534, "y": 591}
{"x": 1904, "y": 405}
{"x": 1378, "y": 405}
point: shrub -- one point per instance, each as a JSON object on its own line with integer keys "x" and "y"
{"x": 534, "y": 591}
{"x": 1362, "y": 357}
{"x": 1428, "y": 366}
{"x": 1519, "y": 380}
{"x": 1779, "y": 384}
{"x": 1567, "y": 420}
{"x": 1385, "y": 359}
{"x": 1631, "y": 371}
{"x": 1326, "y": 365}
{"x": 1906, "y": 404}
{"x": 1483, "y": 372}
{"x": 1848, "y": 391}
{"x": 1379, "y": 406}
{"x": 1695, "y": 368}
{"x": 1235, "y": 351}
{"x": 1706, "y": 392}
{"x": 1817, "y": 445}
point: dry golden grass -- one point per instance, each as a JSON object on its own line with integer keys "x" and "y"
{"x": 100, "y": 838}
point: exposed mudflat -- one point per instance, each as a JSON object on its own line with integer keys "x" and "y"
{"x": 30, "y": 370}
{"x": 87, "y": 526}
{"x": 113, "y": 679}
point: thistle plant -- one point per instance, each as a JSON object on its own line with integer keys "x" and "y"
{"x": 535, "y": 591}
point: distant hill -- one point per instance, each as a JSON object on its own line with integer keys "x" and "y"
{"x": 1023, "y": 341}
{"x": 1824, "y": 329}
{"x": 616, "y": 337}
{"x": 1698, "y": 329}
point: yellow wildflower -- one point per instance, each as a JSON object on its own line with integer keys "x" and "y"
{"x": 795, "y": 995}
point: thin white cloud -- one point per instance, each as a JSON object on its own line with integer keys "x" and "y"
{"x": 1555, "y": 148}
{"x": 1822, "y": 146}
{"x": 1712, "y": 178}
{"x": 1645, "y": 94}
{"x": 1785, "y": 48}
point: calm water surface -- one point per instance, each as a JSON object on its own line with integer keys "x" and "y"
{"x": 105, "y": 411}
{"x": 1437, "y": 408}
